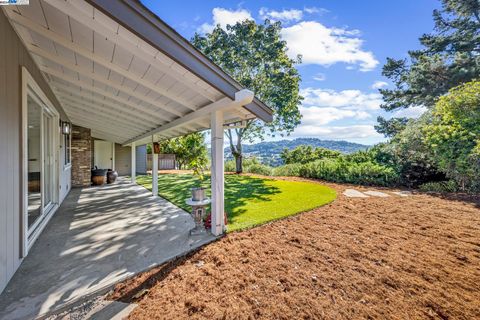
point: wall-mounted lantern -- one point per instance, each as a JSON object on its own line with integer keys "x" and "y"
{"x": 66, "y": 127}
{"x": 156, "y": 148}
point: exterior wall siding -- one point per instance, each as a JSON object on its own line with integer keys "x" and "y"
{"x": 13, "y": 56}
{"x": 141, "y": 159}
{"x": 123, "y": 159}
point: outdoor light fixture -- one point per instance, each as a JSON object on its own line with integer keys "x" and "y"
{"x": 66, "y": 128}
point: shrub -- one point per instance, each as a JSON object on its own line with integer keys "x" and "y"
{"x": 258, "y": 168}
{"x": 343, "y": 171}
{"x": 335, "y": 170}
{"x": 229, "y": 166}
{"x": 454, "y": 135}
{"x": 441, "y": 187}
{"x": 288, "y": 170}
{"x": 250, "y": 165}
{"x": 411, "y": 158}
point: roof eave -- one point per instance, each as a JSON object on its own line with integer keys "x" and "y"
{"x": 138, "y": 19}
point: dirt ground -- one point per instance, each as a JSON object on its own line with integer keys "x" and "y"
{"x": 396, "y": 258}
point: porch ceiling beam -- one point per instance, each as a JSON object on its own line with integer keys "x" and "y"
{"x": 188, "y": 118}
{"x": 95, "y": 106}
{"x": 241, "y": 98}
{"x": 37, "y": 28}
{"x": 102, "y": 121}
{"x": 112, "y": 116}
{"x": 71, "y": 9}
{"x": 110, "y": 95}
{"x": 86, "y": 124}
{"x": 115, "y": 128}
{"x": 104, "y": 135}
{"x": 88, "y": 97}
{"x": 92, "y": 75}
{"x": 107, "y": 135}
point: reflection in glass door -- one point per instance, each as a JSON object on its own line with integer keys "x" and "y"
{"x": 34, "y": 162}
{"x": 41, "y": 161}
{"x": 47, "y": 162}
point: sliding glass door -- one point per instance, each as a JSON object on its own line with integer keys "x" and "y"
{"x": 41, "y": 161}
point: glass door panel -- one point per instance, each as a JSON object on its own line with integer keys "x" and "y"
{"x": 47, "y": 162}
{"x": 41, "y": 162}
{"x": 34, "y": 148}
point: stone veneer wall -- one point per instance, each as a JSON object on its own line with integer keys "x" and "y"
{"x": 81, "y": 156}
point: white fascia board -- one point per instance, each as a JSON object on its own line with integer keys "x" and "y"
{"x": 242, "y": 98}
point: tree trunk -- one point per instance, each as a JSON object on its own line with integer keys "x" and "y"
{"x": 238, "y": 163}
{"x": 236, "y": 149}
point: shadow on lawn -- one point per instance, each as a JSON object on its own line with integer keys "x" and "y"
{"x": 239, "y": 190}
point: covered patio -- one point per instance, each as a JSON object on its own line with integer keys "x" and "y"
{"x": 120, "y": 71}
{"x": 119, "y": 74}
{"x": 98, "y": 237}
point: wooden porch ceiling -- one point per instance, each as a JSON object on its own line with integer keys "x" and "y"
{"x": 109, "y": 79}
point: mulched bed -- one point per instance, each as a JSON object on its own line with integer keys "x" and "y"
{"x": 396, "y": 258}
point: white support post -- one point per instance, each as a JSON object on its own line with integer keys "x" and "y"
{"x": 134, "y": 163}
{"x": 154, "y": 173}
{"x": 217, "y": 173}
{"x": 113, "y": 156}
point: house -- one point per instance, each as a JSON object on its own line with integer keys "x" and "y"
{"x": 88, "y": 82}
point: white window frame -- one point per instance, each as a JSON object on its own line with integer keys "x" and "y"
{"x": 30, "y": 85}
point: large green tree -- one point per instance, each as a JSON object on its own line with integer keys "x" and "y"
{"x": 454, "y": 135}
{"x": 450, "y": 56}
{"x": 190, "y": 151}
{"x": 256, "y": 56}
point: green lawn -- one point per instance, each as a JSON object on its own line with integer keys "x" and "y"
{"x": 249, "y": 201}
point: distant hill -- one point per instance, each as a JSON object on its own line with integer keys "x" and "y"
{"x": 269, "y": 152}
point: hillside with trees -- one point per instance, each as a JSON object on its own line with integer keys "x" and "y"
{"x": 269, "y": 152}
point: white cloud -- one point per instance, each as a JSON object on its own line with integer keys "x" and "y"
{"x": 320, "y": 77}
{"x": 315, "y": 116}
{"x": 321, "y": 107}
{"x": 346, "y": 99}
{"x": 321, "y": 45}
{"x": 412, "y": 112}
{"x": 379, "y": 84}
{"x": 223, "y": 17}
{"x": 312, "y": 10}
{"x": 284, "y": 16}
{"x": 354, "y": 132}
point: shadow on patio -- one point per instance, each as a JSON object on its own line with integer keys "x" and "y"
{"x": 99, "y": 236}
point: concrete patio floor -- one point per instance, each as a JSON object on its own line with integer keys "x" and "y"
{"x": 99, "y": 236}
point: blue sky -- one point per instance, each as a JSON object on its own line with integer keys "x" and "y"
{"x": 344, "y": 46}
